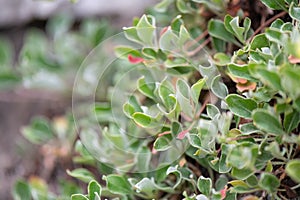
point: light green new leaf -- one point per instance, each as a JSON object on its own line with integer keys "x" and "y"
{"x": 292, "y": 169}
{"x": 78, "y": 197}
{"x": 240, "y": 106}
{"x": 81, "y": 174}
{"x": 196, "y": 89}
{"x": 266, "y": 121}
{"x": 142, "y": 119}
{"x": 145, "y": 29}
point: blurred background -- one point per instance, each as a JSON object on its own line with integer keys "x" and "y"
{"x": 42, "y": 44}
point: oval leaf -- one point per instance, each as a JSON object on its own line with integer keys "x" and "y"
{"x": 240, "y": 106}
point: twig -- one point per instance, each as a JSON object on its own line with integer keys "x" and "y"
{"x": 192, "y": 53}
{"x": 197, "y": 39}
{"x": 266, "y": 23}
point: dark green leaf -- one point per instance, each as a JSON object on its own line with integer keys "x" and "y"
{"x": 294, "y": 11}
{"x": 204, "y": 185}
{"x": 94, "y": 190}
{"x": 259, "y": 41}
{"x": 269, "y": 182}
{"x": 217, "y": 29}
{"x": 240, "y": 106}
{"x": 291, "y": 121}
{"x": 117, "y": 184}
{"x": 21, "y": 191}
{"x": 275, "y": 4}
{"x": 240, "y": 71}
{"x": 266, "y": 121}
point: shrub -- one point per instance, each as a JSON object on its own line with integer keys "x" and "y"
{"x": 216, "y": 112}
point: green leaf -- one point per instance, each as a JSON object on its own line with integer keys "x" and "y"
{"x": 81, "y": 174}
{"x": 259, "y": 41}
{"x": 292, "y": 169}
{"x": 275, "y": 4}
{"x": 221, "y": 59}
{"x": 145, "y": 30}
{"x": 291, "y": 121}
{"x": 269, "y": 182}
{"x": 204, "y": 185}
{"x": 128, "y": 109}
{"x": 240, "y": 71}
{"x": 78, "y": 197}
{"x": 218, "y": 87}
{"x": 238, "y": 31}
{"x": 294, "y": 11}
{"x": 168, "y": 41}
{"x": 290, "y": 77}
{"x": 21, "y": 191}
{"x": 39, "y": 131}
{"x": 117, "y": 184}
{"x": 147, "y": 187}
{"x": 240, "y": 106}
{"x": 143, "y": 158}
{"x": 146, "y": 88}
{"x": 269, "y": 78}
{"x": 163, "y": 5}
{"x": 217, "y": 29}
{"x": 162, "y": 143}
{"x": 183, "y": 94}
{"x": 94, "y": 190}
{"x": 149, "y": 52}
{"x": 196, "y": 89}
{"x": 124, "y": 51}
{"x": 182, "y": 6}
{"x": 142, "y": 119}
{"x": 275, "y": 35}
{"x": 212, "y": 110}
{"x": 242, "y": 156}
{"x": 241, "y": 173}
{"x": 131, "y": 34}
{"x": 266, "y": 121}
